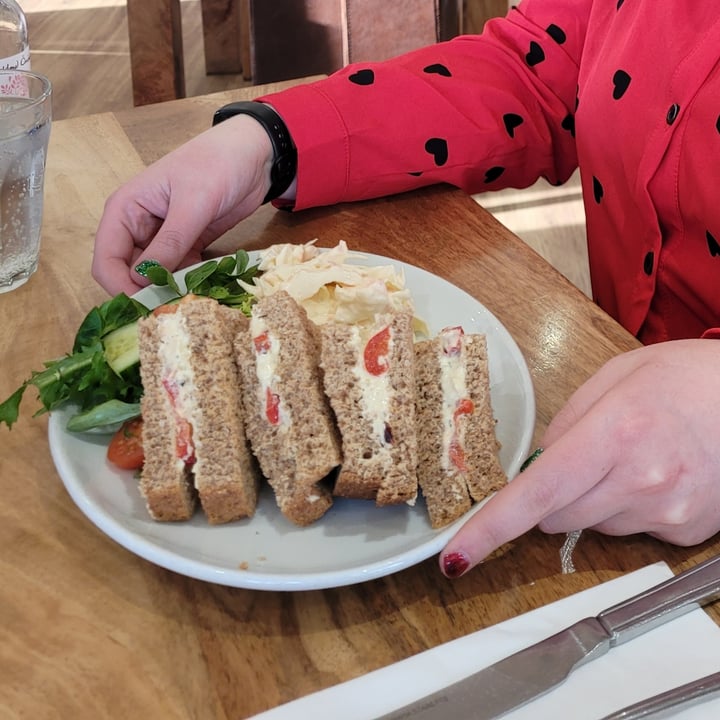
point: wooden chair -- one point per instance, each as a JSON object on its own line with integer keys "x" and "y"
{"x": 273, "y": 40}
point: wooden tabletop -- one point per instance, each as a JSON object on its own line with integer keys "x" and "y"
{"x": 90, "y": 630}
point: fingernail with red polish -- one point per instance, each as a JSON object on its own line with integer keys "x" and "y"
{"x": 455, "y": 564}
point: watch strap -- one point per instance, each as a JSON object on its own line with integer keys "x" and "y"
{"x": 284, "y": 166}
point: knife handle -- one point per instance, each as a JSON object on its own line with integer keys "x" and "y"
{"x": 691, "y": 589}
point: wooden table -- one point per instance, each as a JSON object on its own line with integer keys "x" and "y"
{"x": 89, "y": 630}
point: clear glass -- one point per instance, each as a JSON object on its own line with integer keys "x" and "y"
{"x": 25, "y": 120}
{"x": 14, "y": 45}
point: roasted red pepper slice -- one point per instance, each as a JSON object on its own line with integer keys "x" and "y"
{"x": 272, "y": 407}
{"x": 457, "y": 456}
{"x": 262, "y": 343}
{"x": 376, "y": 352}
{"x": 184, "y": 447}
{"x": 464, "y": 406}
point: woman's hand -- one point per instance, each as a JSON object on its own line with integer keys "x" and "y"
{"x": 635, "y": 449}
{"x": 179, "y": 205}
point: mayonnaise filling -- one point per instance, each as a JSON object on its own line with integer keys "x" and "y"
{"x": 266, "y": 366}
{"x": 174, "y": 355}
{"x": 375, "y": 389}
{"x": 454, "y": 388}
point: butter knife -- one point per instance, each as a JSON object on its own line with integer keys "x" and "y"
{"x": 494, "y": 691}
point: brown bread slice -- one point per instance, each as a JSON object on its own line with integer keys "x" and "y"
{"x": 379, "y": 463}
{"x": 449, "y": 491}
{"x": 302, "y": 450}
{"x": 224, "y": 474}
{"x": 165, "y": 483}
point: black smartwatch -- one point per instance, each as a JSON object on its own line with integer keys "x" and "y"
{"x": 284, "y": 165}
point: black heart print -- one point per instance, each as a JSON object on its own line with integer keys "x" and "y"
{"x": 649, "y": 263}
{"x": 494, "y": 173}
{"x": 556, "y": 33}
{"x": 536, "y": 54}
{"x": 363, "y": 77}
{"x": 621, "y": 82}
{"x": 568, "y": 124}
{"x": 417, "y": 173}
{"x": 713, "y": 244}
{"x": 512, "y": 121}
{"x": 438, "y": 148}
{"x": 598, "y": 191}
{"x": 437, "y": 69}
{"x": 717, "y": 124}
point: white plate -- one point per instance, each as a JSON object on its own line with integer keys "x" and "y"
{"x": 354, "y": 541}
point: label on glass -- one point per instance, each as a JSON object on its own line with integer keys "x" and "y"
{"x": 21, "y": 61}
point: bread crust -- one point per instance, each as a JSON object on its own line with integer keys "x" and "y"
{"x": 295, "y": 456}
{"x": 450, "y": 494}
{"x": 383, "y": 469}
{"x": 226, "y": 474}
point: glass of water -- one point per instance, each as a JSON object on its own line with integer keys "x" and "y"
{"x": 25, "y": 118}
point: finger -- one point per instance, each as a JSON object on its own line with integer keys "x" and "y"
{"x": 603, "y": 503}
{"x": 589, "y": 393}
{"x": 113, "y": 255}
{"x": 177, "y": 241}
{"x": 579, "y": 460}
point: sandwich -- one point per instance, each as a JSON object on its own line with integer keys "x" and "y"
{"x": 369, "y": 378}
{"x": 193, "y": 426}
{"x": 289, "y": 423}
{"x": 458, "y": 461}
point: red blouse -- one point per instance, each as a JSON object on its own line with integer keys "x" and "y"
{"x": 627, "y": 90}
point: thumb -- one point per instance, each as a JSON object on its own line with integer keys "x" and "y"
{"x": 176, "y": 244}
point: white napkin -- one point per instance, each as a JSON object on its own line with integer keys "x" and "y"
{"x": 673, "y": 654}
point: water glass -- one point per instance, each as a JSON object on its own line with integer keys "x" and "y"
{"x": 25, "y": 119}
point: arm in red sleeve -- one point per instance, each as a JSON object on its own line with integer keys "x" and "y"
{"x": 479, "y": 112}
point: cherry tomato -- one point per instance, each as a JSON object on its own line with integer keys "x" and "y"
{"x": 126, "y": 450}
{"x": 376, "y": 352}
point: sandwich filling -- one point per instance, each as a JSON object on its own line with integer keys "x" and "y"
{"x": 266, "y": 348}
{"x": 178, "y": 381}
{"x": 371, "y": 370}
{"x": 456, "y": 400}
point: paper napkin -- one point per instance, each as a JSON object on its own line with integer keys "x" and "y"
{"x": 680, "y": 651}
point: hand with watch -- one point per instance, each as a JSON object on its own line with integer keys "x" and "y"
{"x": 170, "y": 215}
{"x": 284, "y": 166}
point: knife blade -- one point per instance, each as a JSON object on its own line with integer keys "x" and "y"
{"x": 529, "y": 673}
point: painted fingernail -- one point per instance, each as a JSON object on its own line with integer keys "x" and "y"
{"x": 143, "y": 267}
{"x": 455, "y": 564}
{"x": 531, "y": 458}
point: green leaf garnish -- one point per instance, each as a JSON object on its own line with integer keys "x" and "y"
{"x": 84, "y": 378}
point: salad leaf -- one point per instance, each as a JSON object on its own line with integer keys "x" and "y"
{"x": 106, "y": 416}
{"x": 84, "y": 377}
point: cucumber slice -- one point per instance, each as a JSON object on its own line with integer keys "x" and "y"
{"x": 121, "y": 347}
